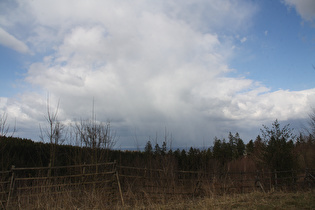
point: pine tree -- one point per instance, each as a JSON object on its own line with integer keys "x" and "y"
{"x": 148, "y": 148}
{"x": 278, "y": 154}
{"x": 250, "y": 147}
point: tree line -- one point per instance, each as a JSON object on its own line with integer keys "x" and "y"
{"x": 277, "y": 148}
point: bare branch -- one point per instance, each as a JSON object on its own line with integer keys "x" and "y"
{"x": 4, "y": 127}
{"x": 53, "y": 131}
{"x": 312, "y": 122}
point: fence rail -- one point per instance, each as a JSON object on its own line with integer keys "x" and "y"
{"x": 19, "y": 184}
{"x": 144, "y": 182}
{"x": 118, "y": 183}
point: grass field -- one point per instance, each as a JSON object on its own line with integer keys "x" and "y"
{"x": 254, "y": 200}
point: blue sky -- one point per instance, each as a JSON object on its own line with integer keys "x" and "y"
{"x": 280, "y": 51}
{"x": 198, "y": 68}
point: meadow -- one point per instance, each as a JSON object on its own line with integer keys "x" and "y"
{"x": 253, "y": 200}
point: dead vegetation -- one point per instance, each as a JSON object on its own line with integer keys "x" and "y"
{"x": 253, "y": 200}
{"x": 105, "y": 186}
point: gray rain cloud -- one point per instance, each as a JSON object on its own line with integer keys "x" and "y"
{"x": 147, "y": 66}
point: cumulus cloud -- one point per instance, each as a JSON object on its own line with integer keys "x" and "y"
{"x": 147, "y": 66}
{"x": 10, "y": 41}
{"x": 305, "y": 8}
{"x": 244, "y": 39}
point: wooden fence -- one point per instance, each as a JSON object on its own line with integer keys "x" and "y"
{"x": 121, "y": 183}
{"x": 19, "y": 185}
{"x": 142, "y": 183}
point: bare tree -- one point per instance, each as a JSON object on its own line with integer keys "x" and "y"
{"x": 52, "y": 132}
{"x": 311, "y": 122}
{"x": 95, "y": 135}
{"x": 4, "y": 132}
{"x": 4, "y": 127}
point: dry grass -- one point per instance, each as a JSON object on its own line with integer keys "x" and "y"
{"x": 254, "y": 200}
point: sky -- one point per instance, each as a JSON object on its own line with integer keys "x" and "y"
{"x": 187, "y": 70}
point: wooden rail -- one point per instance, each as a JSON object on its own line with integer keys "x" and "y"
{"x": 19, "y": 183}
{"x": 124, "y": 183}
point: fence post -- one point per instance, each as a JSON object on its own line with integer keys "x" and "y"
{"x": 83, "y": 173}
{"x": 258, "y": 183}
{"x": 119, "y": 187}
{"x": 293, "y": 181}
{"x": 49, "y": 170}
{"x": 276, "y": 179}
{"x": 257, "y": 179}
{"x": 242, "y": 173}
{"x": 306, "y": 178}
{"x": 11, "y": 185}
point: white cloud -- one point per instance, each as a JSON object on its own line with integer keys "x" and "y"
{"x": 306, "y": 8}
{"x": 244, "y": 39}
{"x": 283, "y": 104}
{"x": 266, "y": 33}
{"x": 147, "y": 65}
{"x": 10, "y": 41}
